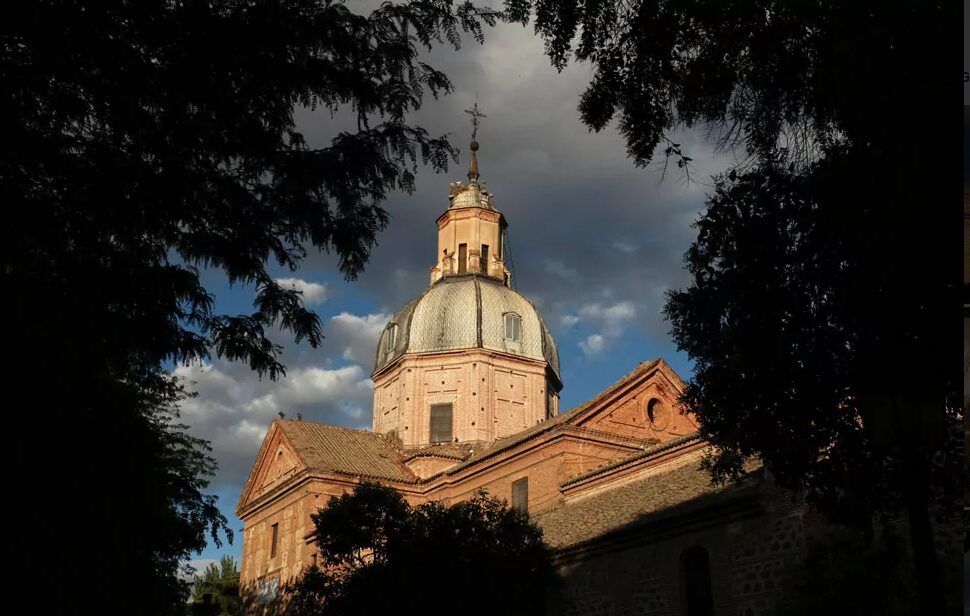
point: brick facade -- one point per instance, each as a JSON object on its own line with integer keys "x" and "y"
{"x": 293, "y": 475}
{"x": 492, "y": 395}
{"x": 466, "y": 398}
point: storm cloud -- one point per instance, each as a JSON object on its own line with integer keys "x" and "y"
{"x": 595, "y": 242}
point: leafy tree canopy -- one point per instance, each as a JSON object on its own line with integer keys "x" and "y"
{"x": 843, "y": 574}
{"x": 819, "y": 273}
{"x": 221, "y": 582}
{"x": 145, "y": 140}
{"x": 816, "y": 272}
{"x": 379, "y": 555}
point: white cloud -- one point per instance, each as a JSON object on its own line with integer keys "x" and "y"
{"x": 593, "y": 345}
{"x": 314, "y": 293}
{"x": 355, "y": 336}
{"x": 233, "y": 410}
{"x": 610, "y": 320}
{"x": 568, "y": 320}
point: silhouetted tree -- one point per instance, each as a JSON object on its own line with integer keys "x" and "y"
{"x": 141, "y": 141}
{"x": 844, "y": 574}
{"x": 378, "y": 555}
{"x": 819, "y": 271}
{"x": 221, "y": 582}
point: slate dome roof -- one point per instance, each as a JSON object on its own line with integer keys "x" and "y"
{"x": 466, "y": 312}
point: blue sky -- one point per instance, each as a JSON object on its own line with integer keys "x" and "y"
{"x": 596, "y": 243}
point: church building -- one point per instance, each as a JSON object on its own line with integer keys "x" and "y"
{"x": 466, "y": 397}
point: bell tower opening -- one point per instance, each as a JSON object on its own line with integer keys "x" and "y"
{"x": 471, "y": 229}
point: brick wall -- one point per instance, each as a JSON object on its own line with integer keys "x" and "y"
{"x": 492, "y": 396}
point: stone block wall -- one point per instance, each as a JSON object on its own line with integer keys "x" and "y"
{"x": 748, "y": 559}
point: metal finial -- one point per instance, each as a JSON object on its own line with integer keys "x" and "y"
{"x": 476, "y": 119}
{"x": 475, "y": 114}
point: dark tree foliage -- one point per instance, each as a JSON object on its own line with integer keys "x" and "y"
{"x": 220, "y": 582}
{"x": 378, "y": 555}
{"x": 141, "y": 141}
{"x": 844, "y": 574}
{"x": 820, "y": 273}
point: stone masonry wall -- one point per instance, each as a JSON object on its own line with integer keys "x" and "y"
{"x": 748, "y": 558}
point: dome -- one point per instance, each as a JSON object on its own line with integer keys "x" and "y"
{"x": 466, "y": 312}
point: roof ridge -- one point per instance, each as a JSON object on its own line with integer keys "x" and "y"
{"x": 645, "y": 453}
{"x": 320, "y": 424}
{"x": 640, "y": 367}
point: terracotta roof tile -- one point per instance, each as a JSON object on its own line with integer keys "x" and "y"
{"x": 629, "y": 505}
{"x": 345, "y": 450}
{"x": 360, "y": 452}
{"x": 647, "y": 452}
{"x": 450, "y": 451}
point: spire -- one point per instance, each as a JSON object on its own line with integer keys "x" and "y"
{"x": 473, "y": 163}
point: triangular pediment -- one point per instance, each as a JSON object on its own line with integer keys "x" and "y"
{"x": 643, "y": 405}
{"x": 276, "y": 462}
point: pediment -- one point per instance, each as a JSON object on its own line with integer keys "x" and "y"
{"x": 643, "y": 406}
{"x": 276, "y": 462}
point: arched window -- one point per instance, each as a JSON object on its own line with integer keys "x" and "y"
{"x": 513, "y": 326}
{"x": 696, "y": 576}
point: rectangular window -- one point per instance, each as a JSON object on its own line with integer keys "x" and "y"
{"x": 462, "y": 258}
{"x": 520, "y": 495}
{"x": 391, "y": 337}
{"x": 513, "y": 326}
{"x": 441, "y": 423}
{"x": 501, "y": 243}
{"x": 484, "y": 267}
{"x": 276, "y": 540}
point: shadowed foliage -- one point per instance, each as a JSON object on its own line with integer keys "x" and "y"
{"x": 820, "y": 273}
{"x": 221, "y": 583}
{"x": 843, "y": 573}
{"x": 378, "y": 555}
{"x": 142, "y": 142}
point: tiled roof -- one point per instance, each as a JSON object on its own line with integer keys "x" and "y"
{"x": 344, "y": 450}
{"x": 629, "y": 505}
{"x": 444, "y": 318}
{"x": 450, "y": 451}
{"x": 368, "y": 454}
{"x": 646, "y": 453}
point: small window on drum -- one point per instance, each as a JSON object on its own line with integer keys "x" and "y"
{"x": 513, "y": 326}
{"x": 391, "y": 339}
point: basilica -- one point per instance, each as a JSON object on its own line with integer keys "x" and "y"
{"x": 466, "y": 397}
